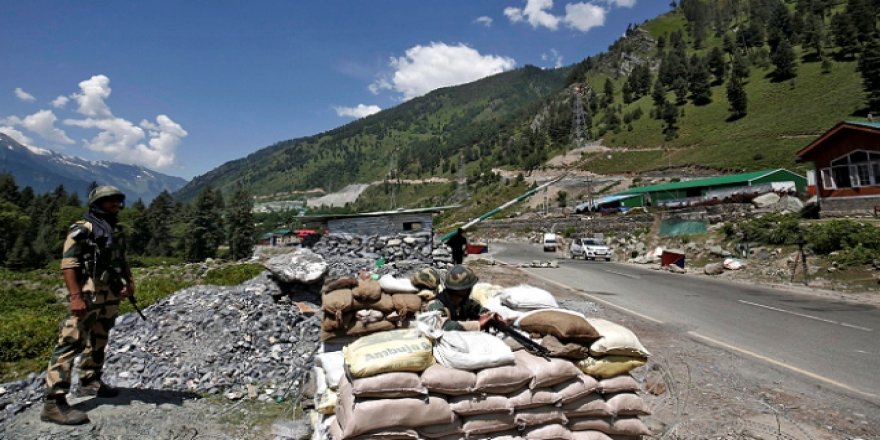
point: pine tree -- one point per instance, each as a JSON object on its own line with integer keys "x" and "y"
{"x": 609, "y": 91}
{"x": 159, "y": 218}
{"x": 740, "y": 69}
{"x": 717, "y": 64}
{"x": 240, "y": 225}
{"x": 659, "y": 97}
{"x": 135, "y": 217}
{"x": 814, "y": 34}
{"x": 699, "y": 86}
{"x": 680, "y": 88}
{"x": 626, "y": 91}
{"x": 869, "y": 67}
{"x": 736, "y": 96}
{"x": 785, "y": 61}
{"x": 669, "y": 114}
{"x": 204, "y": 231}
{"x": 845, "y": 36}
{"x": 8, "y": 188}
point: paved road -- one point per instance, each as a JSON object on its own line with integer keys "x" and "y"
{"x": 832, "y": 342}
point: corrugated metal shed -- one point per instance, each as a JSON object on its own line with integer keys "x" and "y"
{"x": 380, "y": 222}
{"x": 733, "y": 179}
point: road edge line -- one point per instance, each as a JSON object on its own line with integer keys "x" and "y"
{"x": 594, "y": 298}
{"x": 782, "y": 365}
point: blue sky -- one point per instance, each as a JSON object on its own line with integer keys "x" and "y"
{"x": 184, "y": 86}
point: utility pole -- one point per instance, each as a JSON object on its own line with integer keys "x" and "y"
{"x": 394, "y": 176}
{"x": 578, "y": 123}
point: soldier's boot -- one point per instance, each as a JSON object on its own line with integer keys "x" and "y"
{"x": 56, "y": 410}
{"x": 98, "y": 388}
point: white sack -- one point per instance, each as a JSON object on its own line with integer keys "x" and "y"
{"x": 525, "y": 297}
{"x": 616, "y": 339}
{"x": 333, "y": 364}
{"x": 389, "y": 284}
{"x": 471, "y": 351}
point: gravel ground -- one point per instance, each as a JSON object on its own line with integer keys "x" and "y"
{"x": 696, "y": 391}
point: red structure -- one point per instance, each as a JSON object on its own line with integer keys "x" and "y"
{"x": 847, "y": 168}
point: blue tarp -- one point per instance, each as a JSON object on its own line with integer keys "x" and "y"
{"x": 601, "y": 201}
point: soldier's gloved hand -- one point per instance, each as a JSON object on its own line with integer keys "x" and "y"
{"x": 484, "y": 319}
{"x": 127, "y": 290}
{"x": 77, "y": 306}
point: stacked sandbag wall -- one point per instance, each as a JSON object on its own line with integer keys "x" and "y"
{"x": 403, "y": 384}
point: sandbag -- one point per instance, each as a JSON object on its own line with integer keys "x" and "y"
{"x": 360, "y": 328}
{"x": 389, "y": 284}
{"x": 388, "y": 351}
{"x": 494, "y": 305}
{"x": 539, "y": 416}
{"x": 567, "y": 350}
{"x": 525, "y": 297}
{"x": 610, "y": 366}
{"x": 487, "y": 424}
{"x": 628, "y": 426}
{"x": 385, "y": 304}
{"x": 528, "y": 398}
{"x": 443, "y": 431}
{"x": 332, "y": 323}
{"x": 340, "y": 283}
{"x": 591, "y": 405}
{"x": 320, "y": 380}
{"x": 481, "y": 292}
{"x": 333, "y": 364}
{"x": 471, "y": 350}
{"x": 326, "y": 402}
{"x": 589, "y": 435}
{"x": 367, "y": 291}
{"x": 618, "y": 384}
{"x": 502, "y": 380}
{"x": 448, "y": 381}
{"x": 336, "y": 302}
{"x": 369, "y": 315}
{"x": 427, "y": 295}
{"x": 426, "y": 278}
{"x": 627, "y": 404}
{"x": 391, "y": 434}
{"x": 616, "y": 339}
{"x": 388, "y": 414}
{"x": 548, "y": 432}
{"x": 389, "y": 386}
{"x": 576, "y": 388}
{"x": 544, "y": 372}
{"x": 406, "y": 304}
{"x": 564, "y": 324}
{"x": 476, "y": 404}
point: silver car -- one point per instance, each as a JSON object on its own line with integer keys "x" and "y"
{"x": 589, "y": 249}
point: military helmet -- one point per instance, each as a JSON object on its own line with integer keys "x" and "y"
{"x": 427, "y": 278}
{"x": 104, "y": 191}
{"x": 460, "y": 278}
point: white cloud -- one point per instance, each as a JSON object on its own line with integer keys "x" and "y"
{"x": 358, "y": 112}
{"x": 584, "y": 16}
{"x": 124, "y": 141}
{"x": 41, "y": 123}
{"x": 24, "y": 96}
{"x": 19, "y": 137}
{"x": 578, "y": 16}
{"x": 554, "y": 56}
{"x": 622, "y": 3}
{"x": 535, "y": 13}
{"x": 426, "y": 68}
{"x": 60, "y": 101}
{"x": 484, "y": 20}
{"x": 93, "y": 92}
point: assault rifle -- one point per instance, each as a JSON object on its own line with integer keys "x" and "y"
{"x": 93, "y": 270}
{"x": 530, "y": 345}
{"x": 133, "y": 300}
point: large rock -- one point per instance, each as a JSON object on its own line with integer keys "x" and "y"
{"x": 789, "y": 204}
{"x": 302, "y": 266}
{"x": 766, "y": 200}
{"x": 719, "y": 251}
{"x": 713, "y": 269}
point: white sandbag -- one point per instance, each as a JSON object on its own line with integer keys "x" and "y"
{"x": 389, "y": 284}
{"x": 526, "y": 297}
{"x": 320, "y": 380}
{"x": 471, "y": 351}
{"x": 494, "y": 305}
{"x": 326, "y": 402}
{"x": 616, "y": 339}
{"x": 333, "y": 364}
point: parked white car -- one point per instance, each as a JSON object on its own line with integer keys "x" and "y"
{"x": 589, "y": 249}
{"x": 549, "y": 242}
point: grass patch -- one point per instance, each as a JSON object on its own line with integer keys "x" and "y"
{"x": 233, "y": 275}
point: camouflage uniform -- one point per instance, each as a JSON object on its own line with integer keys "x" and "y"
{"x": 463, "y": 317}
{"x": 101, "y": 277}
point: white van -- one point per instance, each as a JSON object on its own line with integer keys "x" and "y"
{"x": 549, "y": 242}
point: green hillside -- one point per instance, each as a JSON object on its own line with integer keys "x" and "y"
{"x": 658, "y": 98}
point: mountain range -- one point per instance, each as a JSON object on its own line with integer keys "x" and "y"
{"x": 44, "y": 170}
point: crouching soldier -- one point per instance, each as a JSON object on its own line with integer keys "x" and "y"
{"x": 96, "y": 275}
{"x": 457, "y": 309}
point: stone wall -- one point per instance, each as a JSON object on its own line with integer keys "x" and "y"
{"x": 582, "y": 224}
{"x": 399, "y": 252}
{"x": 850, "y": 206}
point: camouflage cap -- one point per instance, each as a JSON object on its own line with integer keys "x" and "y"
{"x": 427, "y": 278}
{"x": 104, "y": 191}
{"x": 460, "y": 278}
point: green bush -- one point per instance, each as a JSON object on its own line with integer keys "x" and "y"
{"x": 769, "y": 229}
{"x": 837, "y": 235}
{"x": 233, "y": 274}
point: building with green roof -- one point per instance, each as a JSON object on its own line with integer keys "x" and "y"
{"x": 690, "y": 189}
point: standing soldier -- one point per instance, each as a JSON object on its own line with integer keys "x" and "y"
{"x": 458, "y": 244}
{"x": 97, "y": 276}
